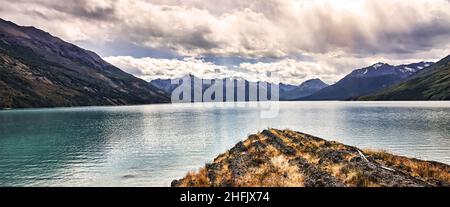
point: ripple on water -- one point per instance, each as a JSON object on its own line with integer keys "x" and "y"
{"x": 152, "y": 145}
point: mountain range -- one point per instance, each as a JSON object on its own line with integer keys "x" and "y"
{"x": 40, "y": 70}
{"x": 286, "y": 91}
{"x": 360, "y": 82}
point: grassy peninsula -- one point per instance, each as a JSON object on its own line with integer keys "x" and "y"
{"x": 286, "y": 158}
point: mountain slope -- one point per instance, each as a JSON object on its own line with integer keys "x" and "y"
{"x": 432, "y": 83}
{"x": 367, "y": 80}
{"x": 39, "y": 70}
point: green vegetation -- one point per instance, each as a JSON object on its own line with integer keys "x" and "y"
{"x": 432, "y": 83}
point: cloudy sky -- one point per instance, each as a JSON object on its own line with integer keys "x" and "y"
{"x": 295, "y": 40}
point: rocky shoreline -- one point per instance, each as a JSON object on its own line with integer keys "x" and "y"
{"x": 285, "y": 158}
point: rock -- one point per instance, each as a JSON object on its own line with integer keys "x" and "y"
{"x": 175, "y": 183}
{"x": 128, "y": 176}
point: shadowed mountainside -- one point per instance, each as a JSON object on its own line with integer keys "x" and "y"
{"x": 432, "y": 83}
{"x": 40, "y": 70}
{"x": 285, "y": 158}
{"x": 286, "y": 91}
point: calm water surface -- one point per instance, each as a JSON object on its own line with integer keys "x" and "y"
{"x": 152, "y": 145}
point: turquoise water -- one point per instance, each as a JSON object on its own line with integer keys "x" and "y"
{"x": 152, "y": 145}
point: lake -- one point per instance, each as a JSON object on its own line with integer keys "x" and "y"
{"x": 153, "y": 144}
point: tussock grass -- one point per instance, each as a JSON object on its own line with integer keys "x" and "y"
{"x": 414, "y": 167}
{"x": 199, "y": 179}
{"x": 277, "y": 173}
{"x": 283, "y": 158}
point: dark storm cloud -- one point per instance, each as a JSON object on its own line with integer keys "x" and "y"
{"x": 307, "y": 37}
{"x": 125, "y": 48}
{"x": 77, "y": 9}
{"x": 95, "y": 13}
{"x": 253, "y": 28}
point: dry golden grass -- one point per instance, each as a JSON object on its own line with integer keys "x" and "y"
{"x": 335, "y": 170}
{"x": 271, "y": 151}
{"x": 417, "y": 168}
{"x": 311, "y": 158}
{"x": 262, "y": 161}
{"x": 268, "y": 174}
{"x": 358, "y": 178}
{"x": 199, "y": 179}
{"x": 222, "y": 157}
{"x": 300, "y": 152}
{"x": 291, "y": 176}
{"x": 349, "y": 176}
{"x": 277, "y": 173}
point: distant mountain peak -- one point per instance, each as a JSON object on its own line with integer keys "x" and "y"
{"x": 314, "y": 80}
{"x": 290, "y": 92}
{"x": 380, "y": 65}
{"x": 314, "y": 83}
{"x": 383, "y": 69}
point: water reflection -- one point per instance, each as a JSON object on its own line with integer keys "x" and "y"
{"x": 151, "y": 145}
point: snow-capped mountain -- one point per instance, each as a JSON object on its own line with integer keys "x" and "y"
{"x": 286, "y": 91}
{"x": 414, "y": 68}
{"x": 380, "y": 69}
{"x": 430, "y": 83}
{"x": 368, "y": 80}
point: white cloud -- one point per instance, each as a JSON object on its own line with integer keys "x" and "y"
{"x": 153, "y": 68}
{"x": 328, "y": 67}
{"x": 251, "y": 28}
{"x": 286, "y": 70}
{"x": 337, "y": 36}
